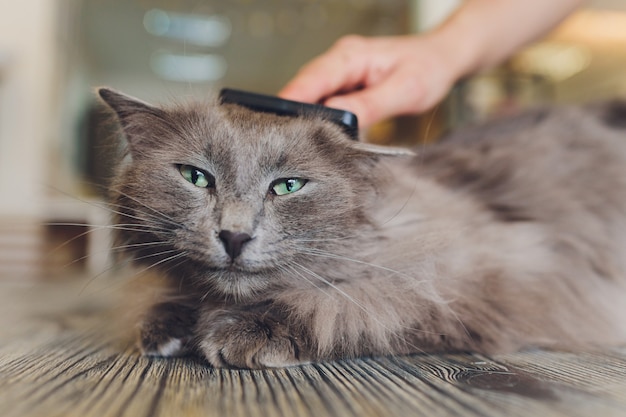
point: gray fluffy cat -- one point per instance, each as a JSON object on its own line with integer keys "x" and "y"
{"x": 286, "y": 242}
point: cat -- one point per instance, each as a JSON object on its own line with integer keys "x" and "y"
{"x": 286, "y": 242}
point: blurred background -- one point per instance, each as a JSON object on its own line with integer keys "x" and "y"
{"x": 55, "y": 155}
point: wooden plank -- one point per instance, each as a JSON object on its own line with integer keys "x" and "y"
{"x": 67, "y": 359}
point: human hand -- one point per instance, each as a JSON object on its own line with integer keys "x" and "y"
{"x": 377, "y": 78}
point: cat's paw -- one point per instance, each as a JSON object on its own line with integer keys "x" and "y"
{"x": 243, "y": 339}
{"x": 167, "y": 330}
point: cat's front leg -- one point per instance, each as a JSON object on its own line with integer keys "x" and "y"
{"x": 167, "y": 329}
{"x": 255, "y": 336}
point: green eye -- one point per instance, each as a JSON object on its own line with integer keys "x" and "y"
{"x": 287, "y": 185}
{"x": 197, "y": 177}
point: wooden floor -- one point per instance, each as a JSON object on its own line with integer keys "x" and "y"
{"x": 61, "y": 356}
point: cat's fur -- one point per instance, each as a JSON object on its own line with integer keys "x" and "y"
{"x": 499, "y": 237}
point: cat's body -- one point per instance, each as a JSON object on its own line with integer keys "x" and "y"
{"x": 297, "y": 244}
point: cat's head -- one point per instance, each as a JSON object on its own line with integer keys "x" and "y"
{"x": 239, "y": 199}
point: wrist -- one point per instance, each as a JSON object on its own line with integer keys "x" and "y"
{"x": 460, "y": 45}
{"x": 483, "y": 33}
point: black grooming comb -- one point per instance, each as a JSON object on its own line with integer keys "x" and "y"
{"x": 270, "y": 104}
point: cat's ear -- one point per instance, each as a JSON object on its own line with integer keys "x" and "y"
{"x": 126, "y": 107}
{"x": 372, "y": 149}
{"x": 139, "y": 120}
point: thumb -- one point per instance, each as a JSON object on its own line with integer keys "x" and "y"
{"x": 395, "y": 96}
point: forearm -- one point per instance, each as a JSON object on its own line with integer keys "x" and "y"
{"x": 483, "y": 33}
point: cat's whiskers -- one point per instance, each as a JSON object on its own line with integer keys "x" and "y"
{"x": 91, "y": 228}
{"x": 330, "y": 284}
{"x": 136, "y": 245}
{"x": 128, "y": 262}
{"x": 103, "y": 205}
{"x": 119, "y": 248}
{"x": 161, "y": 261}
{"x": 325, "y": 254}
{"x": 347, "y": 296}
{"x": 357, "y": 303}
{"x": 177, "y": 255}
{"x": 146, "y": 216}
{"x": 440, "y": 302}
{"x": 291, "y": 269}
{"x": 150, "y": 218}
{"x": 205, "y": 295}
{"x": 161, "y": 215}
{"x": 132, "y": 227}
{"x": 330, "y": 239}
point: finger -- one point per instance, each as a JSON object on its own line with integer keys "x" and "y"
{"x": 309, "y": 84}
{"x": 342, "y": 68}
{"x": 398, "y": 94}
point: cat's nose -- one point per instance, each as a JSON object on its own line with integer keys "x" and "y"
{"x": 233, "y": 242}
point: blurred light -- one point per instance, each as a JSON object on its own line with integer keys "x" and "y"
{"x": 430, "y": 14}
{"x": 189, "y": 68}
{"x": 210, "y": 31}
{"x": 555, "y": 61}
{"x": 593, "y": 26}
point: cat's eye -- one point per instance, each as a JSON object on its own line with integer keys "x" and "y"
{"x": 196, "y": 176}
{"x": 287, "y": 185}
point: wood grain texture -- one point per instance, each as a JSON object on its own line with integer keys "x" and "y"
{"x": 61, "y": 356}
